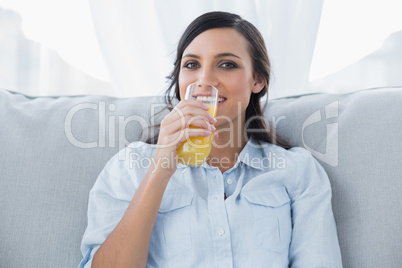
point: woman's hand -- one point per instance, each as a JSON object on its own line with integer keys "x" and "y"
{"x": 127, "y": 246}
{"x": 175, "y": 129}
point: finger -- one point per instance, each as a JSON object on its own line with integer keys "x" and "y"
{"x": 181, "y": 118}
{"x": 195, "y": 111}
{"x": 201, "y": 122}
{"x": 174, "y": 121}
{"x": 193, "y": 103}
{"x": 193, "y": 132}
{"x": 177, "y": 129}
{"x": 215, "y": 137}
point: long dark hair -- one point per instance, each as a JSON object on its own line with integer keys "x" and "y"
{"x": 261, "y": 67}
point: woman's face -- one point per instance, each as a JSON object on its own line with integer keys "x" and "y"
{"x": 221, "y": 58}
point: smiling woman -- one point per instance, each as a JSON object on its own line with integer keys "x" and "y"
{"x": 231, "y": 210}
{"x": 231, "y": 71}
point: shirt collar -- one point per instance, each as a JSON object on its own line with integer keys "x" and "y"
{"x": 253, "y": 153}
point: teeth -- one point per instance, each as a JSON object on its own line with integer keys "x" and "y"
{"x": 205, "y": 98}
{"x": 209, "y": 99}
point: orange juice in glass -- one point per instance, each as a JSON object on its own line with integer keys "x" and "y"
{"x": 194, "y": 151}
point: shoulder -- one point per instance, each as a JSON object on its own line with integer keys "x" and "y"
{"x": 300, "y": 154}
{"x": 301, "y": 162}
{"x": 140, "y": 148}
{"x": 131, "y": 152}
{"x": 295, "y": 157}
{"x": 298, "y": 163}
{"x": 130, "y": 162}
{"x": 310, "y": 176}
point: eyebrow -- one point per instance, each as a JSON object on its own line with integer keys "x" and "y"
{"x": 227, "y": 55}
{"x": 220, "y": 55}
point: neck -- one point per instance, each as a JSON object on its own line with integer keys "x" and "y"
{"x": 227, "y": 147}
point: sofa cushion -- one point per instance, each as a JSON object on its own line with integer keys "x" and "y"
{"x": 357, "y": 139}
{"x": 53, "y": 148}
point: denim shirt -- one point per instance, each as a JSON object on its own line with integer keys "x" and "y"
{"x": 277, "y": 212}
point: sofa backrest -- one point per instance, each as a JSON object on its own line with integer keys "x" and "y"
{"x": 357, "y": 139}
{"x": 53, "y": 148}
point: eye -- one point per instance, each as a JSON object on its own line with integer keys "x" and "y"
{"x": 191, "y": 65}
{"x": 228, "y": 65}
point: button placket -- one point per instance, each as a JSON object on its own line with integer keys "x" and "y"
{"x": 230, "y": 183}
{"x": 216, "y": 204}
{"x": 221, "y": 231}
{"x": 218, "y": 219}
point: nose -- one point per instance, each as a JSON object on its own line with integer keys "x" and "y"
{"x": 208, "y": 75}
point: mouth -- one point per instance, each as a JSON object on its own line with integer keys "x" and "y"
{"x": 221, "y": 100}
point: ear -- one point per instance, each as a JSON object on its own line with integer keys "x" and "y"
{"x": 259, "y": 84}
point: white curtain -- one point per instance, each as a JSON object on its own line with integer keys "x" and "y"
{"x": 356, "y": 44}
{"x": 32, "y": 68}
{"x": 138, "y": 38}
{"x": 359, "y": 45}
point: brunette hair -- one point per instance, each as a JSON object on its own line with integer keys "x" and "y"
{"x": 260, "y": 62}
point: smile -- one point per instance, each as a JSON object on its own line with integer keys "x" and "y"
{"x": 210, "y": 99}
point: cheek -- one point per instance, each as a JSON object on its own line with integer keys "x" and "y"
{"x": 182, "y": 93}
{"x": 182, "y": 87}
{"x": 184, "y": 81}
{"x": 239, "y": 84}
{"x": 241, "y": 90}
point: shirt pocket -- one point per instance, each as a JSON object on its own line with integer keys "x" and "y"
{"x": 172, "y": 230}
{"x": 271, "y": 218}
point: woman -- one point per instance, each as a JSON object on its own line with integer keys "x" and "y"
{"x": 251, "y": 204}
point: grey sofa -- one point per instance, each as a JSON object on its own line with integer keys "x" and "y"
{"x": 52, "y": 149}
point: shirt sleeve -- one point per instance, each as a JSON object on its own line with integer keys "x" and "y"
{"x": 314, "y": 236}
{"x": 109, "y": 198}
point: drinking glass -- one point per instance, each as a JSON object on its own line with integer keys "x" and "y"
{"x": 194, "y": 151}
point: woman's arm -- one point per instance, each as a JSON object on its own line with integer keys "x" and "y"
{"x": 314, "y": 236}
{"x": 128, "y": 244}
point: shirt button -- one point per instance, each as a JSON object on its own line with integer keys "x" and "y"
{"x": 229, "y": 181}
{"x": 221, "y": 231}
